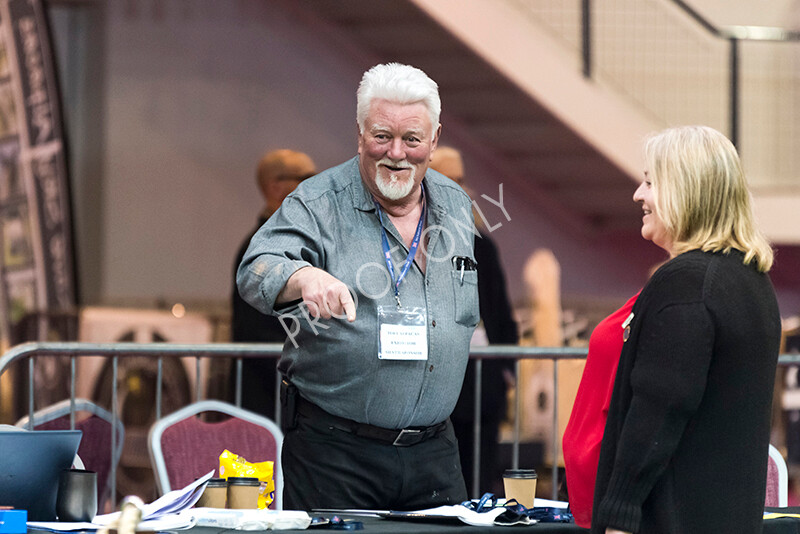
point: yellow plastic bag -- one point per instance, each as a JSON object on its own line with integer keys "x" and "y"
{"x": 233, "y": 465}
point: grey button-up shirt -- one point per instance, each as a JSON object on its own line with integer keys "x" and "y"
{"x": 330, "y": 222}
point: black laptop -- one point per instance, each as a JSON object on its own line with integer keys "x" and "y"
{"x": 30, "y": 463}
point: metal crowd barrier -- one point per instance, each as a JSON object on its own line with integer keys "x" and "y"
{"x": 239, "y": 351}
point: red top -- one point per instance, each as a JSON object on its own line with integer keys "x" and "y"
{"x": 584, "y": 432}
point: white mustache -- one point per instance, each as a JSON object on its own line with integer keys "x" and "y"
{"x": 403, "y": 164}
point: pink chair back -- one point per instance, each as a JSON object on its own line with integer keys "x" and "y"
{"x": 94, "y": 450}
{"x": 777, "y": 480}
{"x": 191, "y": 447}
{"x": 183, "y": 446}
{"x": 772, "y": 484}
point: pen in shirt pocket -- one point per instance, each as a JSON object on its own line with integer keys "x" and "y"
{"x": 463, "y": 263}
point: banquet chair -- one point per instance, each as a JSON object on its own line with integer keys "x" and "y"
{"x": 94, "y": 451}
{"x": 184, "y": 447}
{"x": 777, "y": 480}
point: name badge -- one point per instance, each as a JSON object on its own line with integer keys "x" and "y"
{"x": 403, "y": 333}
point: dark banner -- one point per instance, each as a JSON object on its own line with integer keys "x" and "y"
{"x": 37, "y": 279}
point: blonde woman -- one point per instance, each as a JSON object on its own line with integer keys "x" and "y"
{"x": 685, "y": 444}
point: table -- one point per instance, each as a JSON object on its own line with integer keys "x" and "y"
{"x": 416, "y": 526}
{"x": 784, "y": 525}
{"x": 450, "y": 526}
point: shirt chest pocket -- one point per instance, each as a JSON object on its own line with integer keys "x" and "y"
{"x": 465, "y": 293}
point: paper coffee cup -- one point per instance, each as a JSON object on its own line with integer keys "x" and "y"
{"x": 214, "y": 495}
{"x": 243, "y": 492}
{"x": 520, "y": 484}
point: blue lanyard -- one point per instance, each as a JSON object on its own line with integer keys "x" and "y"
{"x": 412, "y": 250}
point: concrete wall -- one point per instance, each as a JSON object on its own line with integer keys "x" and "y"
{"x": 169, "y": 106}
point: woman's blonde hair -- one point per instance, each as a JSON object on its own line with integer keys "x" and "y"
{"x": 701, "y": 194}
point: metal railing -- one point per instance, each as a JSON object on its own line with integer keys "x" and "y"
{"x": 159, "y": 351}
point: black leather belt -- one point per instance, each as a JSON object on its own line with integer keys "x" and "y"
{"x": 399, "y": 438}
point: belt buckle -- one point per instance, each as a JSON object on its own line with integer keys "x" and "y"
{"x": 408, "y": 437}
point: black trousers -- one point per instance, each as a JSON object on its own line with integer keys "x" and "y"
{"x": 324, "y": 467}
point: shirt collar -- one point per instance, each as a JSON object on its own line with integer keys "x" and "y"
{"x": 362, "y": 199}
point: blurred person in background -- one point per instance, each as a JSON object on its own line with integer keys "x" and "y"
{"x": 278, "y": 174}
{"x": 497, "y": 327}
{"x": 686, "y": 440}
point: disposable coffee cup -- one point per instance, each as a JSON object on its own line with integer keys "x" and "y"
{"x": 243, "y": 492}
{"x": 520, "y": 484}
{"x": 215, "y": 494}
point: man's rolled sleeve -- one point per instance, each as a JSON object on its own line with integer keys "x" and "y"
{"x": 261, "y": 281}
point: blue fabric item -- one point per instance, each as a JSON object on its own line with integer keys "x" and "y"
{"x": 514, "y": 510}
{"x": 337, "y": 523}
{"x": 548, "y": 514}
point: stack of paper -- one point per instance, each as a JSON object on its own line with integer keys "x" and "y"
{"x": 169, "y": 512}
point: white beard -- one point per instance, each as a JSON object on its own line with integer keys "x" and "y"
{"x": 393, "y": 188}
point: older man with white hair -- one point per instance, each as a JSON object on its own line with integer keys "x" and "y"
{"x": 370, "y": 267}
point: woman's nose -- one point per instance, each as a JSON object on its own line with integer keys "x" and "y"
{"x": 637, "y": 195}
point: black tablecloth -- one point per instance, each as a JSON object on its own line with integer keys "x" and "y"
{"x": 784, "y": 525}
{"x": 445, "y": 526}
{"x": 417, "y": 526}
